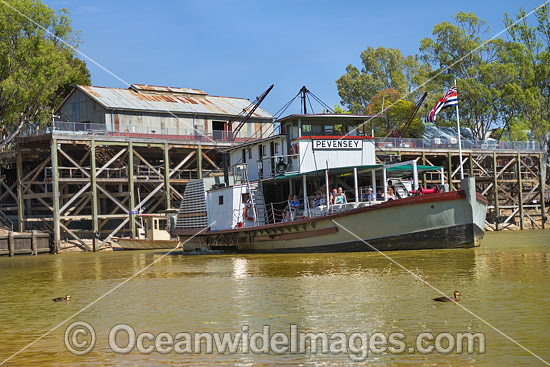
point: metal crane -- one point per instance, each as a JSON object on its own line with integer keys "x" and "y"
{"x": 246, "y": 113}
{"x": 408, "y": 120}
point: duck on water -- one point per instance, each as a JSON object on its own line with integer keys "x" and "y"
{"x": 59, "y": 299}
{"x": 447, "y": 299}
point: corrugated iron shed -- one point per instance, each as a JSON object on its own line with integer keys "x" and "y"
{"x": 141, "y": 97}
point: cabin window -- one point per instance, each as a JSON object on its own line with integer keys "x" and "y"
{"x": 276, "y": 148}
{"x": 220, "y": 200}
{"x": 244, "y": 155}
{"x": 306, "y": 128}
{"x": 245, "y": 197}
{"x": 264, "y": 150}
{"x": 250, "y": 153}
{"x": 156, "y": 223}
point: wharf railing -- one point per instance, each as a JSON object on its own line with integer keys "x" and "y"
{"x": 452, "y": 143}
{"x": 142, "y": 132}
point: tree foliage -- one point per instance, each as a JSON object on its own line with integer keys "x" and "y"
{"x": 388, "y": 102}
{"x": 382, "y": 68}
{"x": 503, "y": 83}
{"x": 36, "y": 68}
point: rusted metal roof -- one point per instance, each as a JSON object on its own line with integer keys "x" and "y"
{"x": 156, "y": 88}
{"x": 168, "y": 99}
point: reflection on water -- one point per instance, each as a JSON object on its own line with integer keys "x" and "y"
{"x": 505, "y": 282}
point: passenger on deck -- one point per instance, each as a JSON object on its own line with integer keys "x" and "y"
{"x": 323, "y": 200}
{"x": 286, "y": 211}
{"x": 379, "y": 195}
{"x": 390, "y": 195}
{"x": 316, "y": 201}
{"x": 294, "y": 206}
{"x": 333, "y": 196}
{"x": 369, "y": 195}
{"x": 340, "y": 197}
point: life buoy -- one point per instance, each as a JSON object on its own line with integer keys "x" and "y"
{"x": 294, "y": 151}
{"x": 248, "y": 212}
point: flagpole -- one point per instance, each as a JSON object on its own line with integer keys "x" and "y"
{"x": 459, "y": 138}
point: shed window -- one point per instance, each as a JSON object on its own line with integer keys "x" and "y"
{"x": 220, "y": 200}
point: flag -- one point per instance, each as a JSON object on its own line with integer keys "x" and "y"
{"x": 449, "y": 99}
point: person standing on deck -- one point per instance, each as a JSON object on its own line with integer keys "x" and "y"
{"x": 333, "y": 196}
{"x": 340, "y": 197}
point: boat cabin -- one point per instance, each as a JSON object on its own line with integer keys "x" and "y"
{"x": 308, "y": 143}
{"x": 156, "y": 227}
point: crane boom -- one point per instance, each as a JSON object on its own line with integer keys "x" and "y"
{"x": 247, "y": 112}
{"x": 408, "y": 120}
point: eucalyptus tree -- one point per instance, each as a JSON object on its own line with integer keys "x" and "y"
{"x": 382, "y": 68}
{"x": 463, "y": 51}
{"x": 36, "y": 65}
{"x": 528, "y": 52}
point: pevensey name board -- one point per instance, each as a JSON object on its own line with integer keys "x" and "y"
{"x": 338, "y": 144}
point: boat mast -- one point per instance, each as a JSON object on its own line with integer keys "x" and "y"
{"x": 304, "y": 92}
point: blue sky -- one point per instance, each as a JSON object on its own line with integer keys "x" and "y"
{"x": 239, "y": 48}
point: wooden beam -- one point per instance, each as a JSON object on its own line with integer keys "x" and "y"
{"x": 74, "y": 163}
{"x": 20, "y": 201}
{"x": 132, "y": 202}
{"x": 209, "y": 160}
{"x": 153, "y": 192}
{"x": 184, "y": 160}
{"x": 114, "y": 232}
{"x": 199, "y": 161}
{"x": 495, "y": 184}
{"x": 9, "y": 190}
{"x": 106, "y": 165}
{"x": 104, "y": 221}
{"x": 74, "y": 197}
{"x": 36, "y": 174}
{"x": 542, "y": 186}
{"x": 39, "y": 198}
{"x": 148, "y": 164}
{"x": 93, "y": 176}
{"x": 167, "y": 176}
{"x": 113, "y": 199}
{"x": 520, "y": 192}
{"x": 55, "y": 190}
{"x": 512, "y": 161}
{"x": 73, "y": 235}
{"x": 82, "y": 205}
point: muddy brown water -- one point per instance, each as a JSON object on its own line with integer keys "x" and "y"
{"x": 505, "y": 282}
